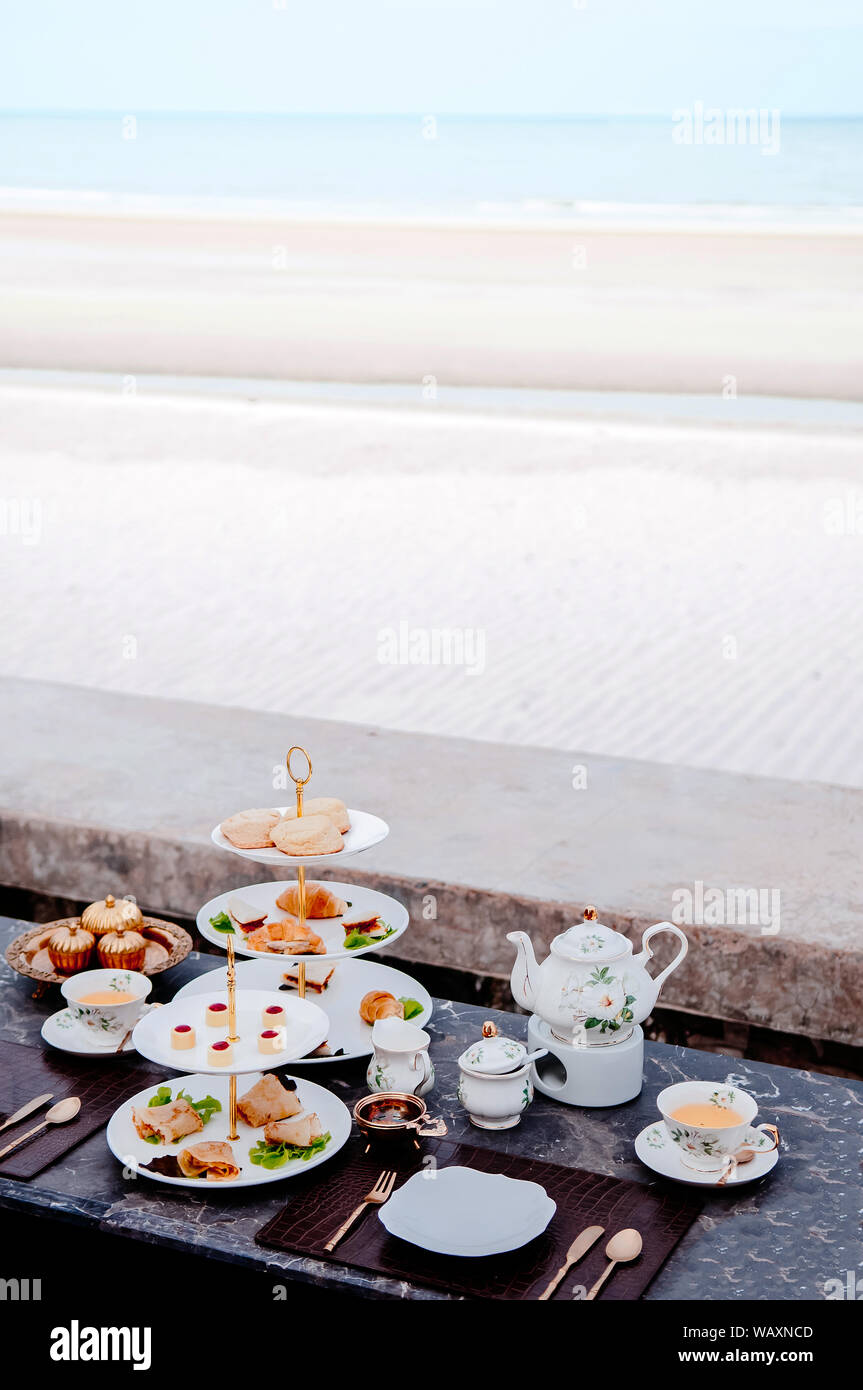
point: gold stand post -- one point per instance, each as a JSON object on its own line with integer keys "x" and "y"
{"x": 232, "y": 1107}
{"x": 232, "y": 1037}
{"x": 300, "y": 782}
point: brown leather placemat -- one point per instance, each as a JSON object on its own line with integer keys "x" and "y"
{"x": 317, "y": 1208}
{"x": 100, "y": 1083}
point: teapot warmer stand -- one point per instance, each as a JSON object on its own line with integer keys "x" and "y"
{"x": 593, "y": 1076}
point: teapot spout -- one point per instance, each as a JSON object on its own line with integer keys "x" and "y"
{"x": 524, "y": 972}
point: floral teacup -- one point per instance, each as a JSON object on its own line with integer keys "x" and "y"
{"x": 106, "y": 1022}
{"x": 709, "y": 1147}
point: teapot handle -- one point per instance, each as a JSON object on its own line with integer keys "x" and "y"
{"x": 645, "y": 953}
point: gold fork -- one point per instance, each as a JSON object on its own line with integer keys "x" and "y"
{"x": 379, "y": 1194}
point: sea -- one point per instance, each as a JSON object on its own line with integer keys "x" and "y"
{"x": 683, "y": 166}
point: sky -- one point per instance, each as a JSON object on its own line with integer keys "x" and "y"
{"x": 544, "y": 57}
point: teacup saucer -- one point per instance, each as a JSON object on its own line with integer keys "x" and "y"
{"x": 63, "y": 1031}
{"x": 657, "y": 1150}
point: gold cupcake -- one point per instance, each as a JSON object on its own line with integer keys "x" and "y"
{"x": 123, "y": 949}
{"x": 70, "y": 947}
{"x": 111, "y": 913}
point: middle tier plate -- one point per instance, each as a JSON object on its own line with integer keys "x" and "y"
{"x": 364, "y": 903}
{"x": 349, "y": 1036}
{"x": 305, "y": 1027}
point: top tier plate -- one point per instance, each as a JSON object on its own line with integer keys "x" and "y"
{"x": 366, "y": 830}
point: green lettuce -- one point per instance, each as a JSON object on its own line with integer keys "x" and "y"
{"x": 355, "y": 939}
{"x": 266, "y": 1155}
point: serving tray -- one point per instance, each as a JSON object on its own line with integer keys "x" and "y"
{"x": 167, "y": 945}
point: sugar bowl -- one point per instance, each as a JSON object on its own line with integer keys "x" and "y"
{"x": 494, "y": 1086}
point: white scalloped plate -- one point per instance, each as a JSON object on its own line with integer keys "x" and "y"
{"x": 306, "y": 1028}
{"x": 340, "y": 1000}
{"x": 366, "y": 830}
{"x": 461, "y": 1211}
{"x": 127, "y": 1146}
{"x": 365, "y": 902}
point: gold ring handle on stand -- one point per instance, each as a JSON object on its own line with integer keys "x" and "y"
{"x": 299, "y": 783}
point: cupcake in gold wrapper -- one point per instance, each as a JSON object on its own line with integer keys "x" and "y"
{"x": 111, "y": 913}
{"x": 70, "y": 947}
{"x": 122, "y": 949}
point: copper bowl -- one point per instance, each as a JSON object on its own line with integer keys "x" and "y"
{"x": 392, "y": 1116}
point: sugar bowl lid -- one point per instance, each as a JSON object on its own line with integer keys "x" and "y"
{"x": 493, "y": 1054}
{"x": 111, "y": 914}
{"x": 590, "y": 940}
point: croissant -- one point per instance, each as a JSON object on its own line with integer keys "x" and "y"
{"x": 320, "y": 902}
{"x": 378, "y": 1003}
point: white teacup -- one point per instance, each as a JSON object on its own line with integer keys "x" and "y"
{"x": 106, "y": 1022}
{"x": 707, "y": 1147}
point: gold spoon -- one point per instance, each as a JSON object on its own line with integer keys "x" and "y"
{"x": 733, "y": 1162}
{"x": 622, "y": 1248}
{"x": 59, "y": 1114}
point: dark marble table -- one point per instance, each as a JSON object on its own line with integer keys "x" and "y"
{"x": 784, "y": 1237}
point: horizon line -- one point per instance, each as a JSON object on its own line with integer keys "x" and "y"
{"x": 423, "y": 114}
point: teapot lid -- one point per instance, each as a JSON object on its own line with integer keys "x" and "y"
{"x": 493, "y": 1054}
{"x": 590, "y": 940}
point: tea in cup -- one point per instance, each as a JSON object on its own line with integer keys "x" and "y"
{"x": 106, "y": 1003}
{"x": 710, "y": 1122}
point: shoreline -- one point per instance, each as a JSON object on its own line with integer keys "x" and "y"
{"x": 732, "y": 219}
{"x": 776, "y": 414}
{"x": 670, "y": 313}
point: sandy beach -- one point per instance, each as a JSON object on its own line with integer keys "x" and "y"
{"x": 660, "y": 589}
{"x": 771, "y": 311}
{"x": 678, "y": 593}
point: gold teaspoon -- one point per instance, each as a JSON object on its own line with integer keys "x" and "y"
{"x": 622, "y": 1248}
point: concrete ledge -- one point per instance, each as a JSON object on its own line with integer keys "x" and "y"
{"x": 106, "y": 792}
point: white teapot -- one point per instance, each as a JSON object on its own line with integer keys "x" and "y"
{"x": 590, "y": 984}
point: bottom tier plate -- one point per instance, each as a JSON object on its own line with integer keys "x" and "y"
{"x": 132, "y": 1151}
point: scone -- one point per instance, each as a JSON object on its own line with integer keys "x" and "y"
{"x": 329, "y": 806}
{"x": 307, "y": 835}
{"x": 250, "y": 829}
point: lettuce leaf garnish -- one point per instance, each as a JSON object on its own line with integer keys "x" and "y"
{"x": 355, "y": 939}
{"x": 266, "y": 1155}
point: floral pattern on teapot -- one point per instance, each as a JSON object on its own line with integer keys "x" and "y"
{"x": 601, "y": 1001}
